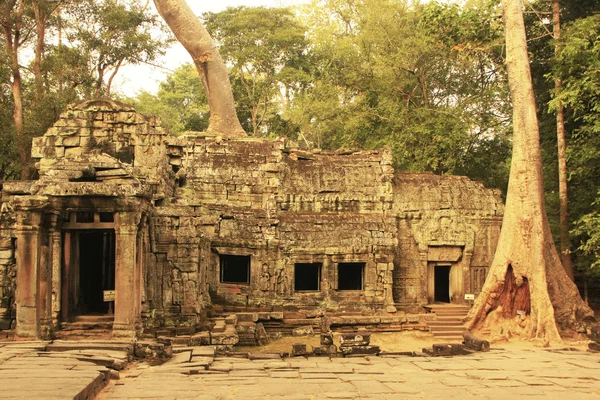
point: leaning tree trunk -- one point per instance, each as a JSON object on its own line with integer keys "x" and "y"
{"x": 190, "y": 32}
{"x": 527, "y": 291}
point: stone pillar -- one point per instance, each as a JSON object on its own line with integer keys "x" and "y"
{"x": 56, "y": 248}
{"x": 44, "y": 279}
{"x": 127, "y": 276}
{"x": 27, "y": 255}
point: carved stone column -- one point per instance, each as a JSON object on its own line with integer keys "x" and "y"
{"x": 44, "y": 278}
{"x": 27, "y": 256}
{"x": 56, "y": 249}
{"x": 127, "y": 276}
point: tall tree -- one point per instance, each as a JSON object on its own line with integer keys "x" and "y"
{"x": 190, "y": 32}
{"x": 16, "y": 33}
{"x": 578, "y": 66}
{"x": 565, "y": 242}
{"x": 268, "y": 55}
{"x": 527, "y": 291}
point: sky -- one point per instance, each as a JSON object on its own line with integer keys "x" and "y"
{"x": 133, "y": 78}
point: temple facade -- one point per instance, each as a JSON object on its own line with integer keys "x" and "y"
{"x": 171, "y": 225}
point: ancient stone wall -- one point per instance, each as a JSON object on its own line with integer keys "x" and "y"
{"x": 281, "y": 207}
{"x": 200, "y": 219}
{"x": 445, "y": 221}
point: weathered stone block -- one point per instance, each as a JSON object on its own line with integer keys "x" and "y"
{"x": 303, "y": 331}
{"x": 324, "y": 350}
{"x": 299, "y": 349}
{"x": 231, "y": 319}
{"x": 246, "y": 327}
{"x": 229, "y": 337}
{"x": 449, "y": 349}
{"x": 355, "y": 339}
{"x": 360, "y": 350}
{"x": 247, "y": 317}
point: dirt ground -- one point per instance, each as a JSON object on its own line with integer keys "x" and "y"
{"x": 396, "y": 342}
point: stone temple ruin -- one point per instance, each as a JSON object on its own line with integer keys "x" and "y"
{"x": 179, "y": 225}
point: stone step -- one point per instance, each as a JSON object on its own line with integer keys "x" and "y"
{"x": 94, "y": 318}
{"x": 446, "y": 323}
{"x": 69, "y": 326}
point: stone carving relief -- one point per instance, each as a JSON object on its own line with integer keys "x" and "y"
{"x": 265, "y": 279}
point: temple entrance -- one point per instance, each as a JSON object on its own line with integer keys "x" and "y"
{"x": 96, "y": 270}
{"x": 88, "y": 270}
{"x": 442, "y": 283}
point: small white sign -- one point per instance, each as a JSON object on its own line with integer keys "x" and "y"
{"x": 109, "y": 295}
{"x": 469, "y": 296}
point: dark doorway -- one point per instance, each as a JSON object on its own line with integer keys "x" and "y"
{"x": 235, "y": 269}
{"x": 442, "y": 283}
{"x": 350, "y": 276}
{"x": 96, "y": 270}
{"x": 307, "y": 277}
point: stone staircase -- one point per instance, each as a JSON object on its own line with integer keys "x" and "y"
{"x": 448, "y": 325}
{"x": 87, "y": 326}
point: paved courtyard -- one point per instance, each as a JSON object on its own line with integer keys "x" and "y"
{"x": 499, "y": 374}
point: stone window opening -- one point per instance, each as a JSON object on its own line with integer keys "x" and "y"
{"x": 350, "y": 275}
{"x": 234, "y": 269}
{"x": 307, "y": 277}
{"x": 107, "y": 217}
{"x": 83, "y": 217}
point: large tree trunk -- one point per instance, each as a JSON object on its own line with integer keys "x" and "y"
{"x": 12, "y": 20}
{"x": 565, "y": 241}
{"x": 190, "y": 32}
{"x": 40, "y": 30}
{"x": 527, "y": 292}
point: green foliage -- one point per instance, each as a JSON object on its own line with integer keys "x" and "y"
{"x": 180, "y": 102}
{"x": 578, "y": 65}
{"x": 426, "y": 80}
{"x": 111, "y": 33}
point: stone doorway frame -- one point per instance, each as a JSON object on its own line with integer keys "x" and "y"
{"x": 39, "y": 259}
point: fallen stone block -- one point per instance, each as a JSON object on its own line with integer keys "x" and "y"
{"x": 303, "y": 331}
{"x": 447, "y": 349}
{"x": 473, "y": 342}
{"x": 299, "y": 349}
{"x": 355, "y": 350}
{"x": 324, "y": 350}
{"x": 355, "y": 339}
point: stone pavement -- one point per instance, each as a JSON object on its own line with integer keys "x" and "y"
{"x": 29, "y": 371}
{"x": 499, "y": 374}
